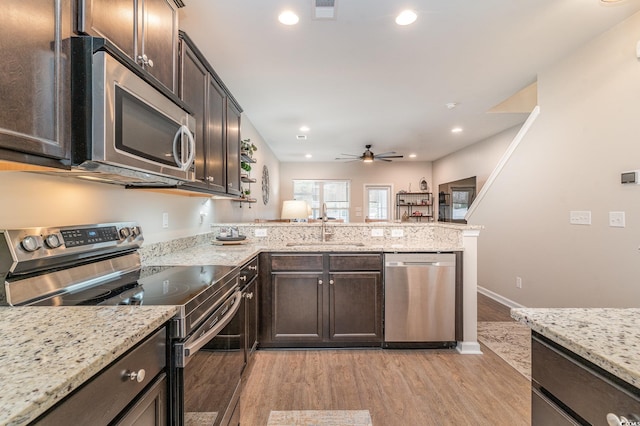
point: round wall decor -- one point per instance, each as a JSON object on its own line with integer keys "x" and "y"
{"x": 265, "y": 184}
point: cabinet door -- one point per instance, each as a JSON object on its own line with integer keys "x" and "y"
{"x": 216, "y": 100}
{"x": 151, "y": 407}
{"x": 158, "y": 38}
{"x": 251, "y": 296}
{"x": 233, "y": 149}
{"x": 194, "y": 79}
{"x": 110, "y": 19}
{"x": 35, "y": 79}
{"x": 296, "y": 311}
{"x": 355, "y": 310}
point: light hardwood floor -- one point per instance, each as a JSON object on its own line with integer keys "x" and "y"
{"x": 398, "y": 387}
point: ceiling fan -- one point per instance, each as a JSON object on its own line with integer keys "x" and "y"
{"x": 369, "y": 157}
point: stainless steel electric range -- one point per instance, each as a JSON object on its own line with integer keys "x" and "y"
{"x": 100, "y": 265}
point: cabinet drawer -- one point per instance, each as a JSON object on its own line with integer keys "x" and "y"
{"x": 355, "y": 262}
{"x": 581, "y": 388}
{"x": 545, "y": 412}
{"x": 108, "y": 393}
{"x": 296, "y": 262}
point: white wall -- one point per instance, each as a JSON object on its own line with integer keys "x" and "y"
{"x": 571, "y": 159}
{"x": 28, "y": 199}
{"x": 404, "y": 175}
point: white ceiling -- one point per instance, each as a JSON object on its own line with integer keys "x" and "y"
{"x": 361, "y": 79}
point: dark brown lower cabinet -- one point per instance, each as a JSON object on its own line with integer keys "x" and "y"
{"x": 307, "y": 304}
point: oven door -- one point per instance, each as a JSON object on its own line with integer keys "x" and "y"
{"x": 208, "y": 367}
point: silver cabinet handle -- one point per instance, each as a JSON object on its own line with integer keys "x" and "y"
{"x": 248, "y": 295}
{"x": 144, "y": 60}
{"x": 330, "y": 281}
{"x": 138, "y": 376}
{"x": 320, "y": 282}
{"x": 243, "y": 278}
{"x": 253, "y": 268}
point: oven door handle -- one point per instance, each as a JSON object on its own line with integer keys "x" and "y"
{"x": 184, "y": 351}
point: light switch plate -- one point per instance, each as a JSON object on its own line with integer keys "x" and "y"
{"x": 616, "y": 219}
{"x": 165, "y": 220}
{"x": 377, "y": 232}
{"x": 580, "y": 217}
{"x": 260, "y": 232}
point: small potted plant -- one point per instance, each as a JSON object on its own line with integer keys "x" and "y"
{"x": 247, "y": 148}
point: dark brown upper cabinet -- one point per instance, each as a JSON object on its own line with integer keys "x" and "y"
{"x": 146, "y": 31}
{"x": 218, "y": 118}
{"x": 35, "y": 82}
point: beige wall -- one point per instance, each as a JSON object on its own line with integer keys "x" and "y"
{"x": 571, "y": 159}
{"x": 402, "y": 175}
{"x": 226, "y": 211}
{"x": 28, "y": 200}
{"x": 477, "y": 160}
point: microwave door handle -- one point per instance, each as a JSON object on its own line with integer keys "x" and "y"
{"x": 184, "y": 351}
{"x": 177, "y": 139}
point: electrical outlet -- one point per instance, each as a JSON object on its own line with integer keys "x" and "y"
{"x": 260, "y": 232}
{"x": 580, "y": 217}
{"x": 377, "y": 232}
{"x": 397, "y": 233}
{"x": 616, "y": 219}
{"x": 165, "y": 220}
{"x": 518, "y": 282}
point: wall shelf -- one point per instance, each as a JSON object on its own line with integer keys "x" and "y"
{"x": 414, "y": 206}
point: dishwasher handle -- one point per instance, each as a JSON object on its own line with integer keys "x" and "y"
{"x": 407, "y": 264}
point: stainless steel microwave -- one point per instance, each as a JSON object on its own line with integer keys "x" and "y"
{"x": 126, "y": 129}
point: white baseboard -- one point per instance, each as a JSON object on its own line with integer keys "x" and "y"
{"x": 468, "y": 348}
{"x": 500, "y": 299}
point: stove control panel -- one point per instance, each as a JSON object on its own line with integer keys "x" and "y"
{"x": 45, "y": 247}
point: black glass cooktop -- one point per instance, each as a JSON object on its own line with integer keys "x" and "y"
{"x": 154, "y": 285}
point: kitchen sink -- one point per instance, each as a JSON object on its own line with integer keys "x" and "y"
{"x": 326, "y": 243}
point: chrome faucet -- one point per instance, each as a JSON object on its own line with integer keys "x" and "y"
{"x": 324, "y": 219}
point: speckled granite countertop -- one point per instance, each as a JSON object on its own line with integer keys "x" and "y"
{"x": 237, "y": 255}
{"x": 48, "y": 352}
{"x": 610, "y": 338}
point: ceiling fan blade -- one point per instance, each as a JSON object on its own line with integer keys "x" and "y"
{"x": 351, "y": 155}
{"x": 346, "y": 160}
{"x": 381, "y": 159}
{"x": 384, "y": 154}
{"x": 389, "y": 156}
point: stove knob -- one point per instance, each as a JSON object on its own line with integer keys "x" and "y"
{"x": 30, "y": 243}
{"x": 125, "y": 233}
{"x": 53, "y": 241}
{"x": 135, "y": 231}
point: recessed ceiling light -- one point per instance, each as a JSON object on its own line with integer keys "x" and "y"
{"x": 412, "y": 155}
{"x": 406, "y": 17}
{"x": 308, "y": 156}
{"x": 288, "y": 18}
{"x": 304, "y": 129}
{"x": 456, "y": 130}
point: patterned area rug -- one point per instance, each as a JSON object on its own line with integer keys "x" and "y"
{"x": 320, "y": 418}
{"x": 511, "y": 341}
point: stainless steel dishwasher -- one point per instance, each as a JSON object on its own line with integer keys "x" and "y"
{"x": 419, "y": 300}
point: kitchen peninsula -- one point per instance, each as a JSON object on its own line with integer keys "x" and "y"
{"x": 389, "y": 237}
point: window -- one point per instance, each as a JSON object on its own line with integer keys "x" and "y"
{"x": 378, "y": 202}
{"x": 333, "y": 192}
